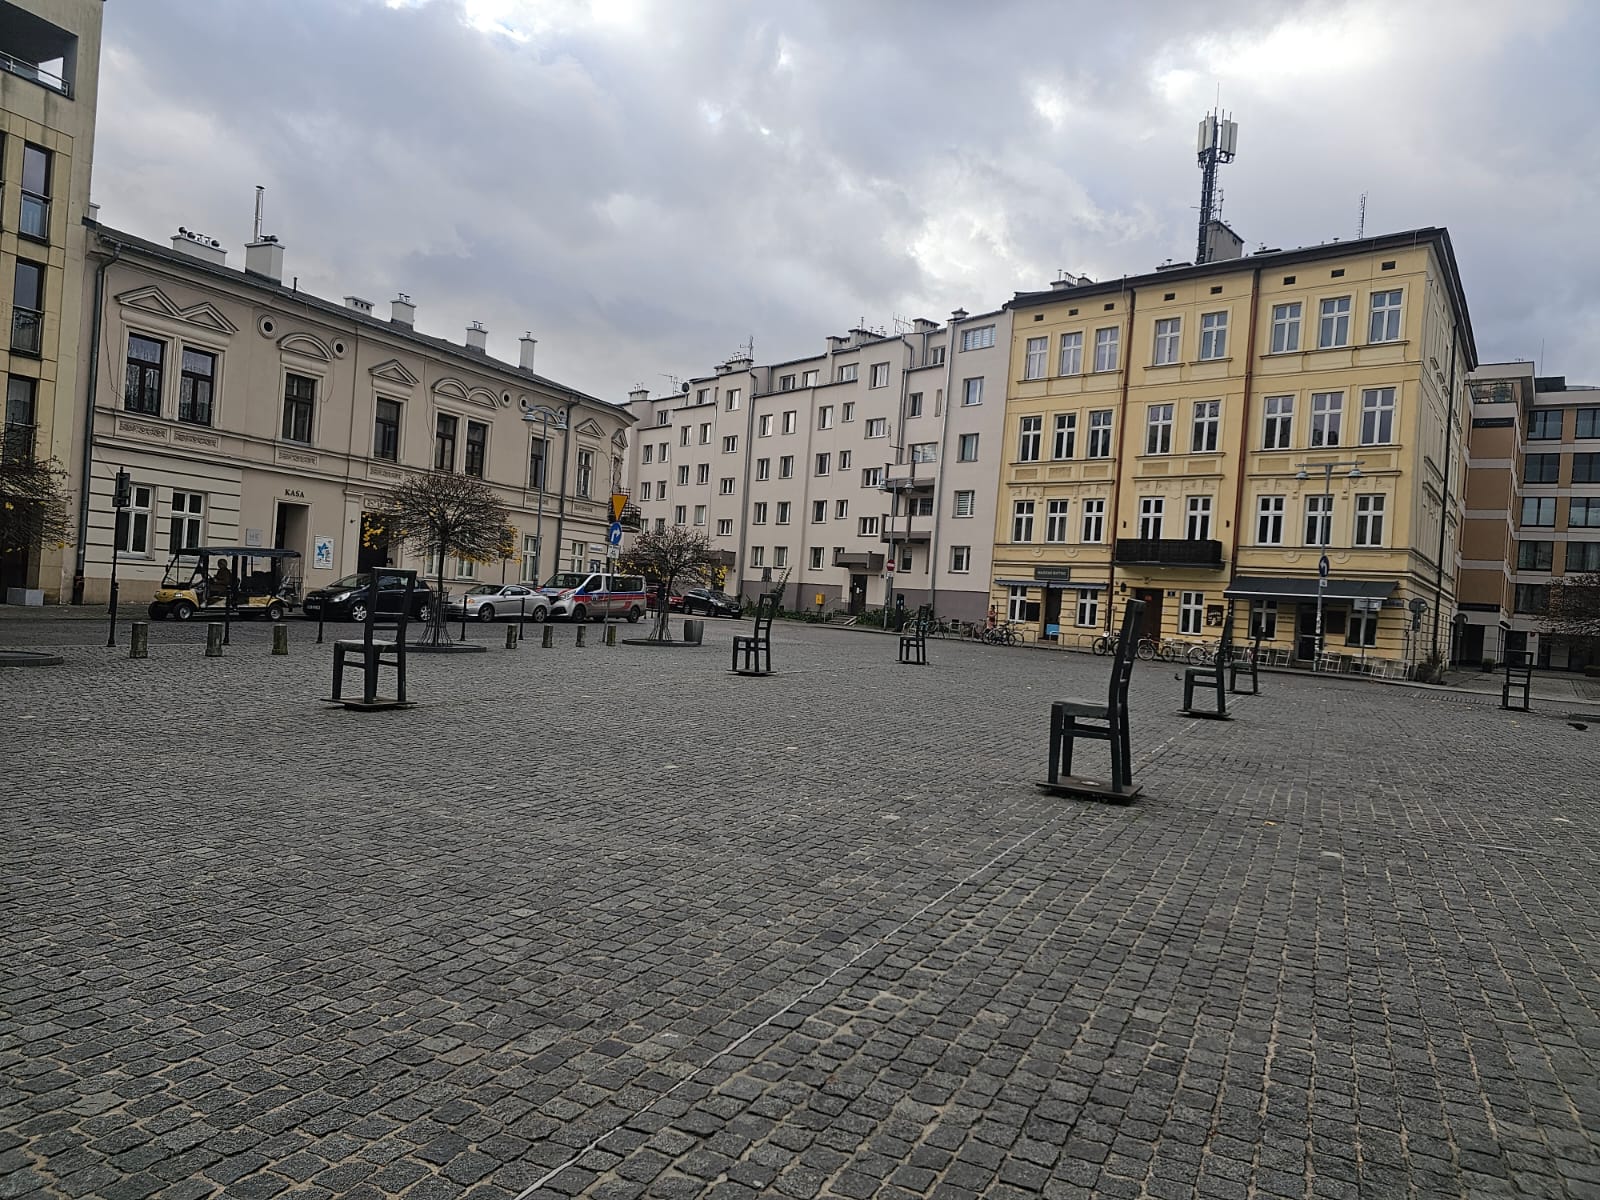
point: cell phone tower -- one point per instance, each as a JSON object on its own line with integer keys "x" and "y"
{"x": 1215, "y": 144}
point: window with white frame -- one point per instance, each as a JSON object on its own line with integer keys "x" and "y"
{"x": 786, "y": 467}
{"x": 1278, "y": 426}
{"x": 1377, "y": 416}
{"x": 1334, "y": 327}
{"x": 1066, "y": 436}
{"x": 1385, "y": 323}
{"x": 1151, "y": 510}
{"x": 699, "y": 514}
{"x": 936, "y": 356}
{"x": 1017, "y": 604}
{"x": 824, "y": 462}
{"x": 702, "y": 473}
{"x": 879, "y": 375}
{"x": 1030, "y": 437}
{"x": 1100, "y": 433}
{"x": 847, "y": 411}
{"x": 705, "y": 433}
{"x": 1022, "y": 521}
{"x": 680, "y": 515}
{"x": 872, "y": 477}
{"x": 785, "y": 507}
{"x": 733, "y": 399}
{"x": 730, "y": 444}
{"x": 1088, "y": 614}
{"x": 1158, "y": 429}
{"x": 972, "y": 391}
{"x": 758, "y": 513}
{"x": 764, "y": 425}
{"x": 924, "y": 452}
{"x": 1055, "y": 520}
{"x": 1169, "y": 332}
{"x": 876, "y": 427}
{"x": 1285, "y": 327}
{"x": 188, "y": 521}
{"x": 816, "y": 558}
{"x": 825, "y": 416}
{"x": 1264, "y": 619}
{"x": 1033, "y": 364}
{"x": 466, "y": 568}
{"x": 1369, "y": 520}
{"x": 848, "y": 372}
{"x": 1269, "y": 521}
{"x": 914, "y": 405}
{"x": 809, "y": 378}
{"x": 1207, "y": 423}
{"x": 819, "y": 511}
{"x": 1319, "y": 520}
{"x": 841, "y": 509}
{"x": 1197, "y": 518}
{"x": 844, "y": 461}
{"x": 1094, "y": 521}
{"x": 786, "y": 383}
{"x": 725, "y": 486}
{"x": 1106, "y": 344}
{"x": 758, "y": 556}
{"x": 1362, "y": 629}
{"x": 791, "y": 420}
{"x": 967, "y": 448}
{"x": 780, "y": 556}
{"x": 1214, "y": 335}
{"x": 763, "y": 469}
{"x": 664, "y": 417}
{"x": 1191, "y": 612}
{"x": 867, "y": 527}
{"x": 964, "y": 503}
{"x": 530, "y": 558}
{"x": 647, "y": 454}
{"x": 1327, "y": 414}
{"x": 977, "y": 339}
{"x": 644, "y": 490}
{"x": 960, "y": 560}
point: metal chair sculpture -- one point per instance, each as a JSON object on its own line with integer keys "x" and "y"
{"x": 1212, "y": 678}
{"x": 1246, "y": 665}
{"x": 374, "y": 652}
{"x": 752, "y": 652}
{"x": 1104, "y": 722}
{"x": 1519, "y": 677}
{"x": 914, "y": 638}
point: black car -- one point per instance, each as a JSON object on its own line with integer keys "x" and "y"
{"x": 346, "y": 599}
{"x": 711, "y": 602}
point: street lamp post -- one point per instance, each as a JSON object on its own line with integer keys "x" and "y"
{"x": 544, "y": 415}
{"x": 1325, "y": 526}
{"x": 121, "y": 500}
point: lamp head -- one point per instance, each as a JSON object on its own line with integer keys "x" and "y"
{"x": 1355, "y": 472}
{"x": 1301, "y": 474}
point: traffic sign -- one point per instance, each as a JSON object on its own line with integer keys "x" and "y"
{"x": 614, "y": 534}
{"x": 1322, "y": 567}
{"x": 613, "y": 552}
{"x": 619, "y": 501}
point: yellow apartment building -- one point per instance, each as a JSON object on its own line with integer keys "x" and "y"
{"x": 1203, "y": 437}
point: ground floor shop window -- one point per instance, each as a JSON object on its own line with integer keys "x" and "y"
{"x": 1363, "y": 629}
{"x": 1088, "y": 608}
{"x": 1191, "y": 612}
{"x": 1017, "y": 606}
{"x": 188, "y": 516}
{"x": 1264, "y": 619}
{"x": 133, "y": 523}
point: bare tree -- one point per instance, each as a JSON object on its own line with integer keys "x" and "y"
{"x": 436, "y": 513}
{"x": 666, "y": 557}
{"x": 33, "y": 507}
{"x": 1574, "y": 611}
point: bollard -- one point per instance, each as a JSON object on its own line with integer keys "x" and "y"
{"x": 581, "y": 631}
{"x": 214, "y": 639}
{"x": 549, "y": 638}
{"x": 511, "y": 637}
{"x": 280, "y": 638}
{"x": 694, "y": 632}
{"x": 611, "y": 635}
{"x": 139, "y": 639}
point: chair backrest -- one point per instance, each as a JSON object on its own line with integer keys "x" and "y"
{"x": 383, "y": 584}
{"x": 766, "y": 610}
{"x": 1126, "y": 656}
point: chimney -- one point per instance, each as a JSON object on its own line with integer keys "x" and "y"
{"x": 639, "y": 395}
{"x": 357, "y": 304}
{"x": 528, "y": 342}
{"x": 923, "y": 325}
{"x": 402, "y": 311}
{"x": 959, "y": 314}
{"x": 264, "y": 258}
{"x": 478, "y": 337}
{"x": 199, "y": 245}
{"x": 1222, "y": 242}
{"x": 94, "y": 212}
{"x": 1061, "y": 285}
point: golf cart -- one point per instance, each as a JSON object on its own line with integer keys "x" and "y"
{"x": 211, "y": 579}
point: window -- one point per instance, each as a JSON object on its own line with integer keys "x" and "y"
{"x": 1029, "y": 439}
{"x": 142, "y": 391}
{"x": 786, "y": 467}
{"x": 971, "y": 392}
{"x": 702, "y": 396}
{"x": 530, "y": 558}
{"x": 299, "y": 401}
{"x": 791, "y": 420}
{"x": 1207, "y": 421}
{"x": 196, "y": 385}
{"x": 585, "y": 473}
{"x": 1538, "y": 556}
{"x": 644, "y": 490}
{"x": 872, "y": 477}
{"x": 1017, "y": 604}
{"x": 878, "y": 375}
{"x": 1334, "y": 329}
{"x": 1055, "y": 520}
{"x": 27, "y": 307}
{"x": 386, "y": 430}
{"x": 1538, "y": 511}
{"x": 1169, "y": 332}
{"x": 844, "y": 460}
{"x": 1285, "y": 328}
{"x": 20, "y": 414}
{"x": 823, "y": 463}
{"x": 477, "y": 448}
{"x": 1071, "y": 354}
{"x": 733, "y": 399}
{"x": 1385, "y": 323}
{"x": 1066, "y": 435}
{"x": 825, "y": 417}
{"x": 34, "y": 219}
{"x": 1088, "y": 614}
{"x": 847, "y": 411}
{"x": 683, "y": 475}
{"x": 661, "y": 451}
{"x": 648, "y": 452}
{"x": 1541, "y": 468}
{"x": 699, "y": 514}
{"x": 1022, "y": 521}
{"x": 758, "y": 556}
{"x": 730, "y": 444}
{"x": 964, "y": 504}
{"x": 785, "y": 507}
{"x": 936, "y": 356}
{"x": 1094, "y": 520}
{"x": 683, "y": 436}
{"x": 188, "y": 517}
{"x": 1264, "y": 619}
{"x": 1279, "y": 423}
{"x": 1151, "y": 509}
{"x": 977, "y": 339}
{"x": 1533, "y": 598}
{"x": 1319, "y": 520}
{"x": 702, "y": 473}
{"x": 1363, "y": 630}
{"x": 1584, "y": 513}
{"x": 764, "y": 425}
{"x": 914, "y": 404}
{"x": 1327, "y": 412}
{"x": 847, "y": 372}
{"x": 763, "y": 468}
{"x": 1191, "y": 612}
{"x": 1158, "y": 429}
{"x": 841, "y": 509}
{"x": 758, "y": 513}
{"x": 1586, "y": 468}
{"x": 960, "y": 560}
{"x": 1377, "y": 416}
{"x": 967, "y": 448}
{"x": 466, "y": 569}
{"x": 725, "y": 486}
{"x": 819, "y": 511}
{"x": 1269, "y": 521}
{"x": 1588, "y": 423}
{"x": 705, "y": 433}
{"x": 133, "y": 523}
{"x": 1100, "y": 433}
{"x": 867, "y": 526}
{"x": 786, "y": 383}
{"x": 877, "y": 427}
{"x": 1038, "y": 349}
{"x": 808, "y": 379}
{"x": 1545, "y": 425}
{"x": 924, "y": 452}
{"x": 1197, "y": 520}
{"x": 816, "y": 558}
{"x": 1369, "y": 521}
{"x": 1583, "y": 556}
{"x": 537, "y": 450}
{"x": 664, "y": 417}
{"x": 1214, "y": 335}
{"x": 1105, "y": 348}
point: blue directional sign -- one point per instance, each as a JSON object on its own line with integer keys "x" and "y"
{"x": 1322, "y": 567}
{"x": 614, "y": 535}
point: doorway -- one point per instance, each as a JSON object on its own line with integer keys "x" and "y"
{"x": 289, "y": 527}
{"x": 858, "y": 595}
{"x": 1150, "y": 627}
{"x": 1051, "y": 628}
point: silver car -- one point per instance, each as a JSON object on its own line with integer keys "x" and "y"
{"x": 493, "y": 601}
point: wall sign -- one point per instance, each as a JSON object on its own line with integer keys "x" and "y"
{"x": 295, "y": 492}
{"x": 322, "y": 554}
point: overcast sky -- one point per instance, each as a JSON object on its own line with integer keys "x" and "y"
{"x": 645, "y": 184}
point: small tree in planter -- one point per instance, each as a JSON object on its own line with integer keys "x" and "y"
{"x": 436, "y": 513}
{"x": 667, "y": 557}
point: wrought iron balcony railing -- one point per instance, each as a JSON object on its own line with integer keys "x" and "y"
{"x": 1170, "y": 552}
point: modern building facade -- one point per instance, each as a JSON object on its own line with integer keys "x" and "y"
{"x": 250, "y": 413}
{"x": 49, "y": 73}
{"x": 866, "y": 472}
{"x": 1203, "y": 437}
{"x": 1532, "y": 513}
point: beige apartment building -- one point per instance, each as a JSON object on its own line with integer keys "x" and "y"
{"x": 866, "y": 472}
{"x": 49, "y": 72}
{"x": 1532, "y": 511}
{"x": 250, "y": 413}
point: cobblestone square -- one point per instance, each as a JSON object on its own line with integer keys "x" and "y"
{"x": 611, "y": 922}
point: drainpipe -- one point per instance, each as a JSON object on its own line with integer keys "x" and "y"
{"x": 1244, "y": 442}
{"x": 1116, "y": 476}
{"x": 1444, "y": 508}
{"x": 566, "y": 463}
{"x": 80, "y": 558}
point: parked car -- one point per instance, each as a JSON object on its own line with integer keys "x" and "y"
{"x": 711, "y": 602}
{"x": 489, "y": 601}
{"x": 674, "y": 602}
{"x": 346, "y": 599}
{"x": 594, "y": 596}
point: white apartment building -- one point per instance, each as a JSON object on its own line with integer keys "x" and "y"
{"x": 866, "y": 472}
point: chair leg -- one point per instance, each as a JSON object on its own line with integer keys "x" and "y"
{"x": 400, "y": 677}
{"x": 338, "y": 672}
{"x": 1123, "y": 745}
{"x": 1055, "y": 748}
{"x": 370, "y": 679}
{"x": 1119, "y": 778}
{"x": 1069, "y": 736}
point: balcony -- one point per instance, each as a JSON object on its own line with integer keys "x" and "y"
{"x": 1169, "y": 552}
{"x": 921, "y": 529}
{"x": 32, "y": 48}
{"x": 18, "y": 443}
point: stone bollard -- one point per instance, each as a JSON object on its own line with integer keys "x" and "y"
{"x": 581, "y": 631}
{"x": 214, "y": 639}
{"x": 511, "y": 637}
{"x": 611, "y": 635}
{"x": 694, "y": 632}
{"x": 139, "y": 639}
{"x": 280, "y": 638}
{"x": 549, "y": 638}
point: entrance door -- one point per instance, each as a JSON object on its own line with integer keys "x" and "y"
{"x": 289, "y": 530}
{"x": 858, "y": 595}
{"x": 1150, "y": 627}
{"x": 1051, "y": 627}
{"x": 1305, "y": 643}
{"x": 374, "y": 549}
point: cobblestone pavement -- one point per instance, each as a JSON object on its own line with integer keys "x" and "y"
{"x": 611, "y": 922}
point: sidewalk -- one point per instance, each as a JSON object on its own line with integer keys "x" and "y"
{"x": 61, "y": 612}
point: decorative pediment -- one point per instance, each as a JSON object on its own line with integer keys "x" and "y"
{"x": 394, "y": 371}
{"x": 591, "y": 428}
{"x": 461, "y": 393}
{"x": 619, "y": 439}
{"x": 306, "y": 345}
{"x": 153, "y": 300}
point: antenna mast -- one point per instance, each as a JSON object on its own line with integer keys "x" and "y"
{"x": 261, "y": 193}
{"x": 1215, "y": 144}
{"x": 1361, "y": 224}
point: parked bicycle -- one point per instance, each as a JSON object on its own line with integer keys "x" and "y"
{"x": 1164, "y": 650}
{"x": 1003, "y": 635}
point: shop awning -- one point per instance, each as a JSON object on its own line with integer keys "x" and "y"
{"x": 1071, "y": 585}
{"x": 1303, "y": 588}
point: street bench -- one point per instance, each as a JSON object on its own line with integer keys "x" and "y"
{"x": 374, "y": 653}
{"x": 1101, "y": 721}
{"x": 1519, "y": 677}
{"x": 914, "y": 638}
{"x": 752, "y": 652}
